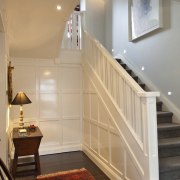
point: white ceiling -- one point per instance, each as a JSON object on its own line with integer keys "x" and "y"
{"x": 35, "y": 27}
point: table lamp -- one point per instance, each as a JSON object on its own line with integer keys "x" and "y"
{"x": 21, "y": 99}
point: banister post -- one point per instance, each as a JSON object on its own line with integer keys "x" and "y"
{"x": 150, "y": 141}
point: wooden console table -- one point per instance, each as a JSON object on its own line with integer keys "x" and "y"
{"x": 26, "y": 145}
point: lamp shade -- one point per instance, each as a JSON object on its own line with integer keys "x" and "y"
{"x": 21, "y": 99}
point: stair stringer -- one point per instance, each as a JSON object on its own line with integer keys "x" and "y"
{"x": 135, "y": 158}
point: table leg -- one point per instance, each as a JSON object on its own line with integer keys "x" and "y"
{"x": 14, "y": 168}
{"x": 37, "y": 162}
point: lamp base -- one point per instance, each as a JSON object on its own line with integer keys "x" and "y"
{"x": 21, "y": 124}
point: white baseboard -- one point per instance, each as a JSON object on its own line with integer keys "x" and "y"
{"x": 103, "y": 166}
{"x": 59, "y": 149}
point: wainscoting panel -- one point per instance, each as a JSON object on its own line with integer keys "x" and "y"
{"x": 94, "y": 137}
{"x": 131, "y": 171}
{"x": 73, "y": 75}
{"x": 71, "y": 105}
{"x": 48, "y": 79}
{"x": 104, "y": 144}
{"x": 103, "y": 115}
{"x": 86, "y": 105}
{"x": 50, "y": 133}
{"x": 25, "y": 79}
{"x": 86, "y": 132}
{"x": 48, "y": 105}
{"x": 117, "y": 153}
{"x": 71, "y": 131}
{"x": 55, "y": 90}
{"x": 102, "y": 141}
{"x": 94, "y": 107}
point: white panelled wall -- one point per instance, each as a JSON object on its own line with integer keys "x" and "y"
{"x": 3, "y": 98}
{"x": 118, "y": 120}
{"x": 101, "y": 140}
{"x": 55, "y": 90}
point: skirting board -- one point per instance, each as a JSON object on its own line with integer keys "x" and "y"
{"x": 59, "y": 149}
{"x": 106, "y": 169}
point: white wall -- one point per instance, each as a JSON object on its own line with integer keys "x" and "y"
{"x": 158, "y": 52}
{"x": 95, "y": 19}
{"x": 3, "y": 84}
{"x": 55, "y": 90}
{"x": 3, "y": 97}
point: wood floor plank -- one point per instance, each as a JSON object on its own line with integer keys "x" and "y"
{"x": 63, "y": 162}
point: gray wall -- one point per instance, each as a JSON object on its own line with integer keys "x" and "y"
{"x": 95, "y": 19}
{"x": 108, "y": 25}
{"x": 158, "y": 52}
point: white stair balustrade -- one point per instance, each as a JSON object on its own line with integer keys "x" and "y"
{"x": 135, "y": 108}
{"x": 72, "y": 32}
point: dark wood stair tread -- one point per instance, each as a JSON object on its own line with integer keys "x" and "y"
{"x": 172, "y": 142}
{"x": 119, "y": 60}
{"x": 142, "y": 85}
{"x": 159, "y": 102}
{"x": 168, "y": 126}
{"x": 135, "y": 78}
{"x": 123, "y": 65}
{"x": 169, "y": 164}
{"x": 129, "y": 71}
{"x": 164, "y": 113}
{"x": 159, "y": 105}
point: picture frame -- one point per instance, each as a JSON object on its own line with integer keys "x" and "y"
{"x": 10, "y": 89}
{"x": 145, "y": 16}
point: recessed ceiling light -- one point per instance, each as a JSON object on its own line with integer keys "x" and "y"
{"x": 47, "y": 73}
{"x": 68, "y": 35}
{"x": 169, "y": 93}
{"x": 58, "y": 7}
{"x": 142, "y": 68}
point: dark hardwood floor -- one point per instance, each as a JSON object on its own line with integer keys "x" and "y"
{"x": 63, "y": 162}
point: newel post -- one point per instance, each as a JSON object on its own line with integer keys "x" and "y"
{"x": 150, "y": 139}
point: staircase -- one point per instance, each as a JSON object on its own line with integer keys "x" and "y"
{"x": 168, "y": 138}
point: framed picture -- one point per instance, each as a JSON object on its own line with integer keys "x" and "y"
{"x": 145, "y": 16}
{"x": 10, "y": 90}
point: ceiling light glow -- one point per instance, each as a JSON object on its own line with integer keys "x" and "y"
{"x": 68, "y": 35}
{"x": 58, "y": 7}
{"x": 142, "y": 68}
{"x": 47, "y": 73}
{"x": 169, "y": 93}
